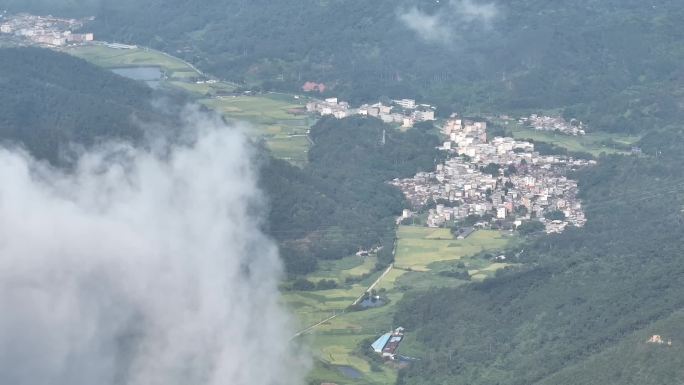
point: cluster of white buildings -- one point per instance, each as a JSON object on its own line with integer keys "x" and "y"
{"x": 502, "y": 180}
{"x": 554, "y": 123}
{"x": 404, "y": 112}
{"x": 44, "y": 30}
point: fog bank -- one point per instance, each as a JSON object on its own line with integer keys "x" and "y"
{"x": 141, "y": 267}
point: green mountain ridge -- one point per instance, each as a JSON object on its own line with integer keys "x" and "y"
{"x": 580, "y": 305}
{"x": 576, "y": 295}
{"x": 633, "y": 361}
{"x": 617, "y": 65}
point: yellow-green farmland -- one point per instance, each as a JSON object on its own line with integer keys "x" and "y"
{"x": 275, "y": 118}
{"x": 108, "y": 57}
{"x": 594, "y": 142}
{"x": 422, "y": 253}
{"x": 418, "y": 247}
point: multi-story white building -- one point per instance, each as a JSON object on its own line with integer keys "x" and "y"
{"x": 405, "y": 103}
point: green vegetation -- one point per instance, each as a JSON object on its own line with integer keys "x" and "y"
{"x": 275, "y": 118}
{"x": 278, "y": 119}
{"x": 340, "y": 201}
{"x": 575, "y": 307}
{"x": 578, "y": 297}
{"x": 337, "y": 341}
{"x": 633, "y": 361}
{"x": 107, "y": 57}
{"x": 531, "y": 227}
{"x": 50, "y": 101}
{"x": 204, "y": 89}
{"x": 418, "y": 247}
{"x": 613, "y": 64}
{"x": 593, "y": 143}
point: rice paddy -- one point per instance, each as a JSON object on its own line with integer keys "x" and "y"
{"x": 422, "y": 253}
{"x": 274, "y": 118}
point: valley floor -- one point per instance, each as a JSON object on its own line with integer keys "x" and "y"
{"x": 423, "y": 256}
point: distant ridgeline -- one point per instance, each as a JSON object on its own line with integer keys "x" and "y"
{"x": 584, "y": 302}
{"x": 49, "y": 100}
{"x": 613, "y": 64}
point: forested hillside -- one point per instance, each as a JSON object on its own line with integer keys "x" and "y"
{"x": 615, "y": 64}
{"x": 577, "y": 294}
{"x": 575, "y": 305}
{"x": 339, "y": 203}
{"x": 631, "y": 361}
{"x": 49, "y": 100}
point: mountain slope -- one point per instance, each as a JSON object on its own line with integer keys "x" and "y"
{"x": 633, "y": 361}
{"x": 49, "y": 100}
{"x": 337, "y": 204}
{"x": 615, "y": 64}
{"x": 577, "y": 294}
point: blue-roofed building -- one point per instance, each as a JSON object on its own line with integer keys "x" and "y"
{"x": 388, "y": 343}
{"x": 380, "y": 343}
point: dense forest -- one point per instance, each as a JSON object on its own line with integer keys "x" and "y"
{"x": 339, "y": 203}
{"x": 576, "y": 294}
{"x": 616, "y": 64}
{"x": 50, "y": 101}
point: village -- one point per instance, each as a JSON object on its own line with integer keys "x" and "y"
{"x": 43, "y": 30}
{"x": 553, "y": 124}
{"x": 502, "y": 182}
{"x": 404, "y": 112}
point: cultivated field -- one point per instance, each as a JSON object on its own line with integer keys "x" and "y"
{"x": 271, "y": 117}
{"x": 138, "y": 57}
{"x": 335, "y": 343}
{"x": 418, "y": 247}
{"x": 205, "y": 89}
{"x": 311, "y": 307}
{"x": 591, "y": 142}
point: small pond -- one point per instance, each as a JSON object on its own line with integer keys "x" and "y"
{"x": 350, "y": 372}
{"x": 150, "y": 75}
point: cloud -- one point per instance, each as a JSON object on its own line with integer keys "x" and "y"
{"x": 470, "y": 11}
{"x": 428, "y": 27}
{"x": 141, "y": 267}
{"x": 451, "y": 21}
